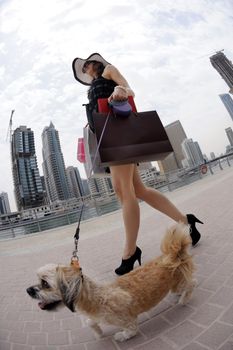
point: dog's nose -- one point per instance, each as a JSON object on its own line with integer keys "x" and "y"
{"x": 31, "y": 291}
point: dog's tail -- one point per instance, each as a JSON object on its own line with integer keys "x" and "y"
{"x": 174, "y": 247}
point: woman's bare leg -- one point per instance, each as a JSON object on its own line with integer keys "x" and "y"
{"x": 122, "y": 180}
{"x": 156, "y": 199}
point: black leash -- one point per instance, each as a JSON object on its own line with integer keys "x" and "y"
{"x": 76, "y": 236}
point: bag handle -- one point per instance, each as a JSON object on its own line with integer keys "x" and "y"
{"x": 98, "y": 145}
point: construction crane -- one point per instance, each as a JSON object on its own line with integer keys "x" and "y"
{"x": 9, "y": 130}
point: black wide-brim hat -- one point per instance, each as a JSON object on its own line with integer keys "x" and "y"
{"x": 78, "y": 64}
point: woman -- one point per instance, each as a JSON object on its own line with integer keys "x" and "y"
{"x": 106, "y": 81}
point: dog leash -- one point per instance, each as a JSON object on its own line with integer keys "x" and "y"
{"x": 75, "y": 258}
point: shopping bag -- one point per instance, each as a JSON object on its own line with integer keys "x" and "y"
{"x": 140, "y": 137}
{"x": 92, "y": 165}
{"x": 80, "y": 150}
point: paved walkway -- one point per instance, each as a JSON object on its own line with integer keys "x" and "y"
{"x": 205, "y": 323}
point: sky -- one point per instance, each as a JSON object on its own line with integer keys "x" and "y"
{"x": 162, "y": 48}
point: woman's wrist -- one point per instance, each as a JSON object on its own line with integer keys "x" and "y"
{"x": 128, "y": 91}
{"x": 121, "y": 88}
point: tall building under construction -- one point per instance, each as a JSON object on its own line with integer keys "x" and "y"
{"x": 224, "y": 67}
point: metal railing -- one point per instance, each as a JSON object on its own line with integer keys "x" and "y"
{"x": 107, "y": 202}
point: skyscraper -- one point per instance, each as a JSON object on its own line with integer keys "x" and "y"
{"x": 27, "y": 182}
{"x": 224, "y": 67}
{"x": 4, "y": 203}
{"x": 229, "y": 133}
{"x": 176, "y": 135}
{"x": 100, "y": 186}
{"x": 228, "y": 103}
{"x": 55, "y": 176}
{"x": 192, "y": 152}
{"x": 75, "y": 182}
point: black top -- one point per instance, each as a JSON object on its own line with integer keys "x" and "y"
{"x": 100, "y": 88}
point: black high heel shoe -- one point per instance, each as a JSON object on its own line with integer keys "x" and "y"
{"x": 127, "y": 264}
{"x": 194, "y": 233}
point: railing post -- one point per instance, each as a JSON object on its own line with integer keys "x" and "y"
{"x": 211, "y": 171}
{"x": 37, "y": 221}
{"x": 200, "y": 172}
{"x": 67, "y": 216}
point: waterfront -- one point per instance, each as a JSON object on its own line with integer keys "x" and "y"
{"x": 108, "y": 202}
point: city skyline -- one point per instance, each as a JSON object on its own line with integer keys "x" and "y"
{"x": 166, "y": 62}
{"x": 72, "y": 173}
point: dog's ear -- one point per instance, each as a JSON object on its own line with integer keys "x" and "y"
{"x": 69, "y": 283}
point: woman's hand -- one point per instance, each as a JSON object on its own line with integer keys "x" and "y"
{"x": 119, "y": 94}
{"x": 122, "y": 90}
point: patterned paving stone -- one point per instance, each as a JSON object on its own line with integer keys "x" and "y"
{"x": 206, "y": 323}
{"x": 216, "y": 335}
{"x": 206, "y": 314}
{"x": 183, "y": 333}
{"x": 228, "y": 345}
{"x": 227, "y": 317}
{"x": 194, "y": 346}
{"x": 157, "y": 343}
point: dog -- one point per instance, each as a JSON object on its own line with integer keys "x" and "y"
{"x": 120, "y": 302}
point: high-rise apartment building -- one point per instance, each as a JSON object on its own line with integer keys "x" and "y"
{"x": 100, "y": 186}
{"x": 229, "y": 133}
{"x": 176, "y": 135}
{"x": 55, "y": 176}
{"x": 192, "y": 153}
{"x": 75, "y": 182}
{"x": 27, "y": 182}
{"x": 4, "y": 203}
{"x": 224, "y": 67}
{"x": 228, "y": 103}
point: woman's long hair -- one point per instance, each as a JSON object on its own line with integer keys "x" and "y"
{"x": 99, "y": 68}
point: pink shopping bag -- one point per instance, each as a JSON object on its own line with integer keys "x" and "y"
{"x": 81, "y": 152}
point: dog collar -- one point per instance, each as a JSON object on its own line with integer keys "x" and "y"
{"x": 75, "y": 263}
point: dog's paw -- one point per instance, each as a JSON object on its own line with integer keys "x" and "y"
{"x": 195, "y": 283}
{"x": 124, "y": 335}
{"x": 183, "y": 299}
{"x": 120, "y": 336}
{"x": 96, "y": 328}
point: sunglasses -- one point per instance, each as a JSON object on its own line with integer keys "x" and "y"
{"x": 86, "y": 64}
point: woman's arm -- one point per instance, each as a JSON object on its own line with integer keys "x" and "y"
{"x": 122, "y": 90}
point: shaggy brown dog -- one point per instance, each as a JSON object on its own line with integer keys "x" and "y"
{"x": 119, "y": 303}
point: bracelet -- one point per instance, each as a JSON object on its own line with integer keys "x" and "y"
{"x": 127, "y": 90}
{"x": 121, "y": 87}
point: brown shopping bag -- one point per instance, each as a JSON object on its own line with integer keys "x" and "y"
{"x": 140, "y": 137}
